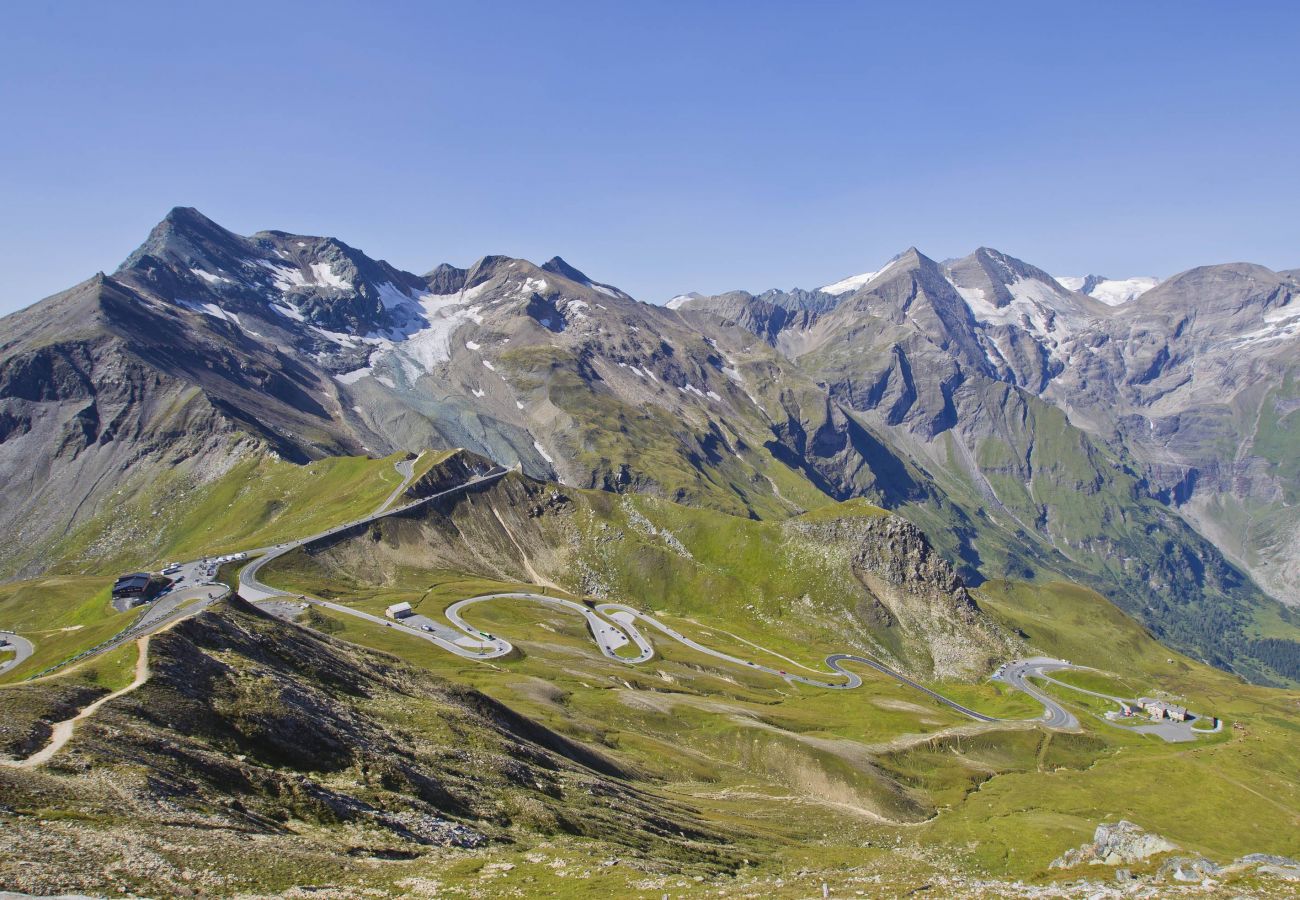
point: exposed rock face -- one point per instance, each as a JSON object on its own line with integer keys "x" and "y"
{"x": 911, "y": 588}
{"x": 1119, "y": 844}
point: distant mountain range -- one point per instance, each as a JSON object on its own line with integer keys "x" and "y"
{"x": 1140, "y": 436}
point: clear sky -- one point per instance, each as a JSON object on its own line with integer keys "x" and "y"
{"x": 663, "y": 147}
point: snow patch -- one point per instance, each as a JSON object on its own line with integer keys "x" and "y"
{"x": 209, "y": 277}
{"x": 477, "y": 393}
{"x": 338, "y": 337}
{"x": 211, "y": 309}
{"x": 845, "y": 285}
{"x": 352, "y": 377}
{"x": 1112, "y": 291}
{"x": 432, "y": 344}
{"x": 324, "y": 274}
{"x": 470, "y": 345}
{"x": 393, "y": 297}
{"x": 542, "y": 451}
{"x": 1030, "y": 306}
{"x": 288, "y": 312}
{"x": 853, "y": 282}
{"x": 679, "y": 301}
{"x": 1280, "y": 323}
{"x": 286, "y": 278}
{"x": 487, "y": 365}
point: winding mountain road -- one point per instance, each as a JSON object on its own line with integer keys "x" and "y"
{"x": 21, "y": 647}
{"x": 619, "y": 630}
{"x": 1018, "y": 673}
{"x": 612, "y": 625}
{"x": 405, "y": 468}
{"x": 253, "y": 590}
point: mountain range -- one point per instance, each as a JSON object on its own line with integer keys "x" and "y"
{"x": 1138, "y": 436}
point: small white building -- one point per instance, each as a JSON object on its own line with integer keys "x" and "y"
{"x": 398, "y": 611}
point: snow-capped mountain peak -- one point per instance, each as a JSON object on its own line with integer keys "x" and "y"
{"x": 848, "y": 285}
{"x": 857, "y": 282}
{"x": 1111, "y": 291}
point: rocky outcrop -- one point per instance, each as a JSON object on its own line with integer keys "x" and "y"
{"x": 1122, "y": 843}
{"x": 914, "y": 595}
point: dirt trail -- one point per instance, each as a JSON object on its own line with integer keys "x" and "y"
{"x": 62, "y": 731}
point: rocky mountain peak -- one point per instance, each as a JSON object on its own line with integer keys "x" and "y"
{"x": 185, "y": 236}
{"x": 484, "y": 269}
{"x": 558, "y": 266}
{"x": 999, "y": 279}
{"x": 446, "y": 279}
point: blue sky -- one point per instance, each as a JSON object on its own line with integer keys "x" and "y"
{"x": 663, "y": 147}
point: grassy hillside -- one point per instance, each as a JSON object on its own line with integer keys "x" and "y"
{"x": 689, "y": 457}
{"x": 1000, "y": 801}
{"x": 801, "y": 578}
{"x": 259, "y": 501}
{"x": 61, "y": 616}
{"x": 780, "y": 786}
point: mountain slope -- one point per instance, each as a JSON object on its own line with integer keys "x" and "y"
{"x": 260, "y": 754}
{"x": 1002, "y": 387}
{"x": 1025, "y": 427}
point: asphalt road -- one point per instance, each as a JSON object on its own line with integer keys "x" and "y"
{"x": 626, "y": 616}
{"x": 1166, "y": 729}
{"x": 1017, "y": 674}
{"x": 192, "y": 592}
{"x": 252, "y": 589}
{"x": 179, "y": 604}
{"x": 609, "y": 635}
{"x": 20, "y": 645}
{"x": 405, "y": 468}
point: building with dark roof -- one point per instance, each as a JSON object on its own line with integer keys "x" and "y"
{"x": 134, "y": 585}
